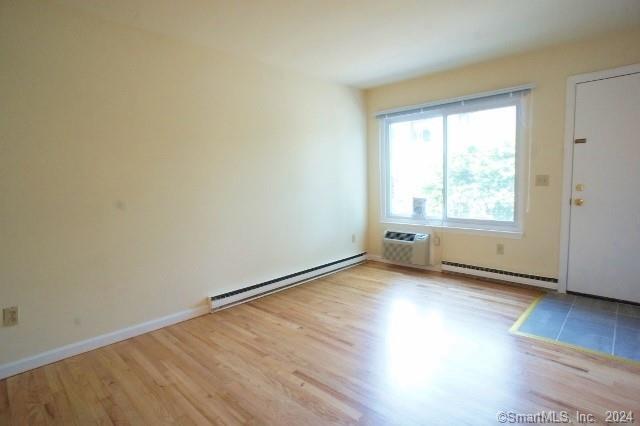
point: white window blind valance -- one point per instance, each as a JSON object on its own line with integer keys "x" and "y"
{"x": 461, "y": 100}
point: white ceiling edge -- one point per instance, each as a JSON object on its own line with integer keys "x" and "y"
{"x": 369, "y": 43}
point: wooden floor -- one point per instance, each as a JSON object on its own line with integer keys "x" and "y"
{"x": 372, "y": 345}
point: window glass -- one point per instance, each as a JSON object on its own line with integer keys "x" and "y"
{"x": 456, "y": 164}
{"x": 481, "y": 164}
{"x": 415, "y": 167}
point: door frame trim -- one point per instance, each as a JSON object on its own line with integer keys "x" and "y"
{"x": 567, "y": 175}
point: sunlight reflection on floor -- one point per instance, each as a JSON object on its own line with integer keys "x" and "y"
{"x": 416, "y": 344}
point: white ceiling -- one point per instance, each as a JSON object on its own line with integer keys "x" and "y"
{"x": 370, "y": 42}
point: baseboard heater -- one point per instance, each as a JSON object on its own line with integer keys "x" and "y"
{"x": 234, "y": 297}
{"x": 501, "y": 275}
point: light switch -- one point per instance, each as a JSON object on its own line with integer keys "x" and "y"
{"x": 10, "y": 316}
{"x": 542, "y": 180}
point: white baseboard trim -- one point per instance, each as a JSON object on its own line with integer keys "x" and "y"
{"x": 57, "y": 354}
{"x": 500, "y": 277}
{"x": 377, "y": 258}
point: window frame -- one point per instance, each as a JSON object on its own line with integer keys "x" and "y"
{"x": 514, "y": 227}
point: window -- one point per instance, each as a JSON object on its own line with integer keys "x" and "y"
{"x": 455, "y": 164}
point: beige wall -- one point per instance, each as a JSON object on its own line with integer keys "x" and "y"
{"x": 139, "y": 175}
{"x": 537, "y": 251}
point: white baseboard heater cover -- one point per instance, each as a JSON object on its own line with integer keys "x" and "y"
{"x": 407, "y": 248}
{"x": 498, "y": 274}
{"x": 245, "y": 294}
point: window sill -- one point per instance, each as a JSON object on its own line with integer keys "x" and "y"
{"x": 461, "y": 229}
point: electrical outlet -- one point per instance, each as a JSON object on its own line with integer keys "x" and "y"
{"x": 353, "y": 238}
{"x": 542, "y": 180}
{"x": 436, "y": 240}
{"x": 499, "y": 248}
{"x": 10, "y": 316}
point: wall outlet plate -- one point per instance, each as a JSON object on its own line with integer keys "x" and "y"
{"x": 10, "y": 316}
{"x": 499, "y": 248}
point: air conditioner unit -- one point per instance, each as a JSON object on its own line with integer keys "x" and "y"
{"x": 406, "y": 248}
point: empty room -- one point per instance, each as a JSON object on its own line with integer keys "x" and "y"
{"x": 279, "y": 212}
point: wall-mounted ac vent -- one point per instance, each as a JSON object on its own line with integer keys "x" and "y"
{"x": 406, "y": 248}
{"x": 498, "y": 274}
{"x": 245, "y": 294}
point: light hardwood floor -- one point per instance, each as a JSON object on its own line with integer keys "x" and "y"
{"x": 373, "y": 344}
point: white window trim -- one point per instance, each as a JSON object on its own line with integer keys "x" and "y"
{"x": 513, "y": 229}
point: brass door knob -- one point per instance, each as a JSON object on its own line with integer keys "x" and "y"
{"x": 578, "y": 201}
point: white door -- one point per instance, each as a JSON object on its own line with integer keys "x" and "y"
{"x": 604, "y": 242}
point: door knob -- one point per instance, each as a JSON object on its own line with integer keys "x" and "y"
{"x": 578, "y": 201}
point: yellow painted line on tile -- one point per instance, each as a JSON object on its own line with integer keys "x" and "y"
{"x": 516, "y": 325}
